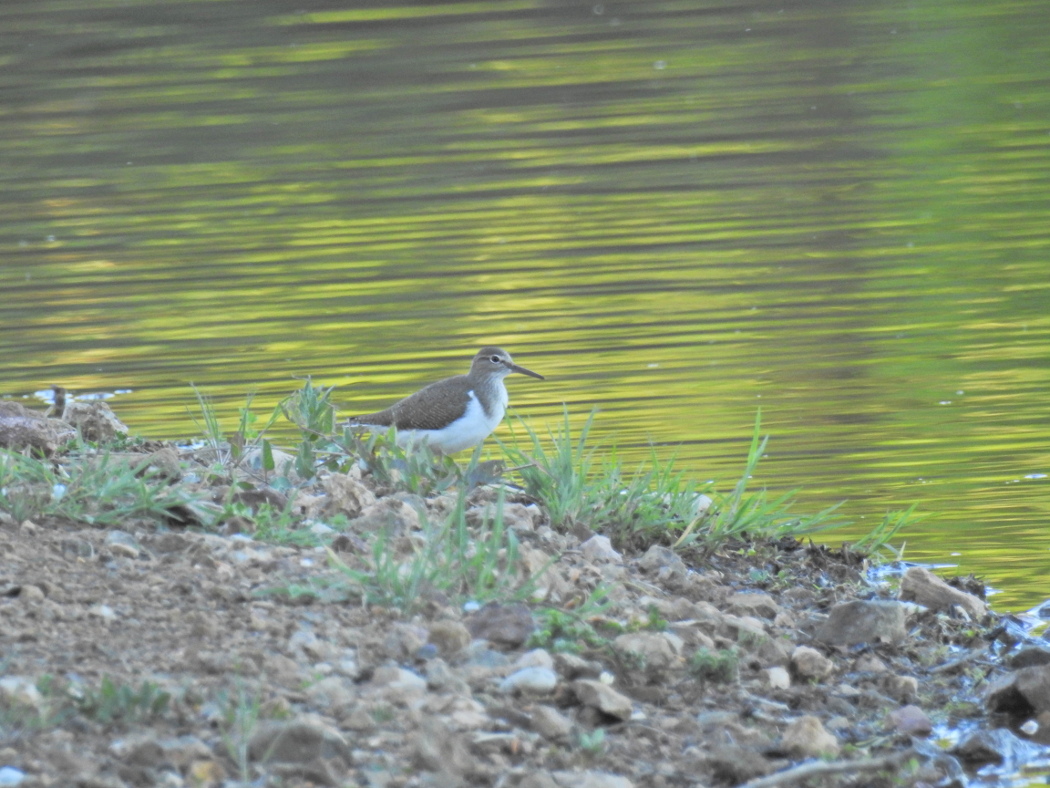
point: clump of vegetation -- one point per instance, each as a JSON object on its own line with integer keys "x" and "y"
{"x": 715, "y": 666}
{"x": 449, "y": 558}
{"x": 241, "y": 712}
{"x": 117, "y": 703}
{"x": 572, "y": 631}
{"x": 653, "y": 503}
{"x": 564, "y": 473}
{"x": 112, "y": 703}
{"x": 98, "y": 487}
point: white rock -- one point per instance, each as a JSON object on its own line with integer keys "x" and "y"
{"x": 21, "y": 690}
{"x": 599, "y": 549}
{"x": 778, "y": 677}
{"x": 537, "y": 658}
{"x": 534, "y": 681}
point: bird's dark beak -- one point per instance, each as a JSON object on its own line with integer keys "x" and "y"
{"x": 523, "y": 371}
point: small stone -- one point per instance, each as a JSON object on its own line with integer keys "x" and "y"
{"x": 505, "y": 625}
{"x": 31, "y": 593}
{"x": 1021, "y": 693}
{"x": 532, "y": 681}
{"x": 346, "y": 495}
{"x": 744, "y": 629}
{"x": 1029, "y": 656}
{"x": 165, "y": 463}
{"x": 387, "y": 514}
{"x": 659, "y": 559}
{"x": 520, "y": 517}
{"x": 536, "y": 658}
{"x": 911, "y": 720}
{"x": 598, "y": 549}
{"x": 94, "y": 419}
{"x": 809, "y": 664}
{"x": 806, "y": 737}
{"x": 995, "y": 746}
{"x": 450, "y": 637}
{"x": 654, "y": 653}
{"x": 105, "y": 612}
{"x": 924, "y": 587}
{"x": 902, "y": 688}
{"x": 734, "y": 764}
{"x": 484, "y": 658}
{"x": 10, "y": 776}
{"x": 21, "y": 691}
{"x": 869, "y": 663}
{"x": 604, "y": 698}
{"x": 398, "y": 684}
{"x": 123, "y": 544}
{"x": 297, "y": 741}
{"x": 861, "y": 621}
{"x": 441, "y": 678}
{"x": 206, "y": 772}
{"x": 22, "y": 428}
{"x": 573, "y": 666}
{"x": 778, "y": 677}
{"x": 550, "y": 723}
{"x": 753, "y": 604}
{"x": 359, "y": 720}
{"x": 332, "y": 692}
{"x": 436, "y": 748}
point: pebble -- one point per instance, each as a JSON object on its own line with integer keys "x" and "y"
{"x": 534, "y": 681}
{"x": 604, "y": 698}
{"x": 599, "y": 549}
{"x": 123, "y": 543}
{"x": 806, "y": 737}
{"x": 778, "y": 677}
{"x": 911, "y": 720}
{"x": 550, "y": 723}
{"x": 809, "y": 664}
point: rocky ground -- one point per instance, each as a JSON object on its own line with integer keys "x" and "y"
{"x": 140, "y": 655}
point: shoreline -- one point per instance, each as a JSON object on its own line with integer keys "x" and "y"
{"x": 385, "y": 624}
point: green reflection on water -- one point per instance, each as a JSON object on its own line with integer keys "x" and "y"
{"x": 676, "y": 213}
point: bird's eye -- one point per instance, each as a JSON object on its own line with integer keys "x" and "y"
{"x": 495, "y": 359}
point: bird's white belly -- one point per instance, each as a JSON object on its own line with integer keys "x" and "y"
{"x": 468, "y": 430}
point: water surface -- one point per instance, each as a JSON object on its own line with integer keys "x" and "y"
{"x": 677, "y": 211}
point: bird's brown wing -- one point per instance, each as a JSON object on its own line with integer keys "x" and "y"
{"x": 408, "y": 414}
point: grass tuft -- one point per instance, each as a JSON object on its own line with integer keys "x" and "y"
{"x": 744, "y": 512}
{"x": 878, "y": 539}
{"x": 564, "y": 475}
{"x": 120, "y": 704}
{"x": 653, "y": 503}
{"x": 450, "y": 558}
{"x": 101, "y": 489}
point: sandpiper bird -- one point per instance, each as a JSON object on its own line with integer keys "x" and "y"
{"x": 455, "y": 413}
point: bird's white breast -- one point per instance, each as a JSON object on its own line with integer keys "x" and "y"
{"x": 468, "y": 430}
